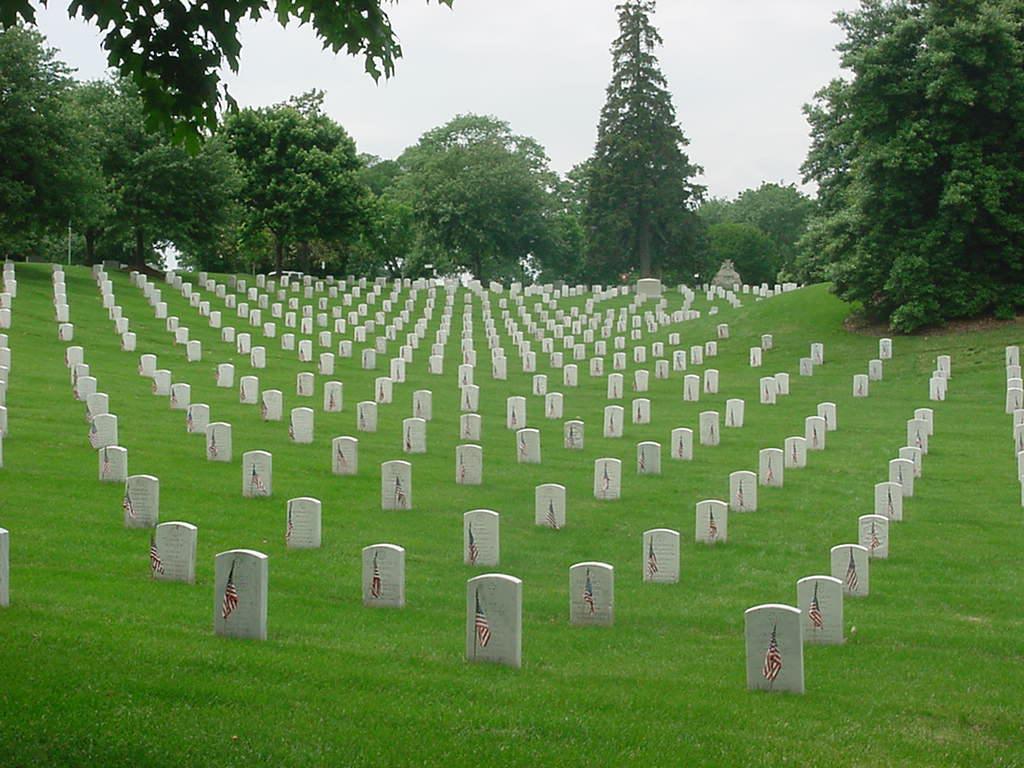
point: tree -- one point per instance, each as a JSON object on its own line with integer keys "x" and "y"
{"x": 639, "y": 214}
{"x": 751, "y": 251}
{"x": 45, "y": 175}
{"x": 920, "y": 159}
{"x": 479, "y": 194}
{"x": 299, "y": 175}
{"x": 174, "y": 51}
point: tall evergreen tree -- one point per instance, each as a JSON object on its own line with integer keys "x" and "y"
{"x": 639, "y": 214}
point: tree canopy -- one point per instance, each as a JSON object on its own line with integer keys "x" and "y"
{"x": 641, "y": 193}
{"x": 919, "y": 158}
{"x": 174, "y": 51}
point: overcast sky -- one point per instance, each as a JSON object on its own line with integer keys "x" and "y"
{"x": 739, "y": 72}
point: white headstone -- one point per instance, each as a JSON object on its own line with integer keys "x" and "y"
{"x": 549, "y": 506}
{"x": 607, "y": 479}
{"x": 384, "y": 576}
{"x": 257, "y": 474}
{"x": 591, "y": 594}
{"x": 743, "y": 491}
{"x": 240, "y": 594}
{"x": 141, "y": 501}
{"x": 172, "y": 552}
{"x": 494, "y": 619}
{"x": 850, "y": 565}
{"x": 873, "y": 535}
{"x": 661, "y": 556}
{"x": 396, "y": 485}
{"x": 302, "y": 523}
{"x": 712, "y": 525}
{"x": 775, "y": 648}
{"x": 113, "y": 462}
{"x": 820, "y": 599}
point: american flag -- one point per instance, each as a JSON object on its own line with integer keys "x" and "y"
{"x": 740, "y": 503}
{"x": 606, "y": 481}
{"x": 474, "y": 551}
{"x": 572, "y": 435}
{"x": 93, "y": 434}
{"x": 729, "y": 417}
{"x": 189, "y": 422}
{"x": 814, "y": 436}
{"x": 399, "y": 493}
{"x": 771, "y": 472}
{"x": 552, "y": 521}
{"x": 418, "y": 409}
{"x": 291, "y": 525}
{"x": 588, "y": 594}
{"x": 330, "y": 401}
{"x": 127, "y": 505}
{"x": 153, "y": 386}
{"x": 462, "y": 469}
{"x": 712, "y": 526}
{"x": 522, "y": 447}
{"x": 772, "y": 659}
{"x": 375, "y": 580}
{"x": 637, "y": 417}
{"x": 362, "y": 418}
{"x": 860, "y": 387}
{"x": 512, "y": 420}
{"x": 342, "y": 461}
{"x": 814, "y": 612}
{"x": 211, "y": 449}
{"x": 890, "y": 510}
{"x": 874, "y": 543}
{"x": 241, "y": 392}
{"x": 611, "y": 422}
{"x": 156, "y": 565}
{"x": 480, "y": 625}
{"x": 643, "y": 460}
{"x": 105, "y": 468}
{"x": 851, "y": 574}
{"x": 681, "y": 447}
{"x": 795, "y": 458}
{"x": 380, "y": 393}
{"x": 174, "y": 398}
{"x": 256, "y": 485}
{"x": 711, "y": 430}
{"x": 408, "y": 439}
{"x": 652, "y": 559}
{"x": 465, "y": 398}
{"x": 230, "y": 599}
{"x": 264, "y": 412}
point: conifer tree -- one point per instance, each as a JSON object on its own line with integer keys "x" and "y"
{"x": 641, "y": 194}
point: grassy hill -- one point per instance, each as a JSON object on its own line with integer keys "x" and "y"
{"x": 102, "y": 666}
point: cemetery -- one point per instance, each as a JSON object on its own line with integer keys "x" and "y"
{"x": 728, "y": 578}
{"x": 460, "y": 456}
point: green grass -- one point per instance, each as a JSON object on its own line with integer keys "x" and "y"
{"x": 101, "y": 666}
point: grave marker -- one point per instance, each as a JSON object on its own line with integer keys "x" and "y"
{"x": 384, "y": 576}
{"x": 494, "y": 619}
{"x": 172, "y": 552}
{"x": 240, "y": 594}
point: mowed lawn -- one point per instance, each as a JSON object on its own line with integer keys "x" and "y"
{"x": 101, "y": 666}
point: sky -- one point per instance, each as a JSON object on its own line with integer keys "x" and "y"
{"x": 739, "y": 72}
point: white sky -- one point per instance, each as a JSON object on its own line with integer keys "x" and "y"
{"x": 739, "y": 72}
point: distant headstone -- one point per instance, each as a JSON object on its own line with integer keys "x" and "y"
{"x": 218, "y": 441}
{"x": 771, "y": 467}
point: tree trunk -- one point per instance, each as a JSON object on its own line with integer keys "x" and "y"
{"x": 90, "y": 246}
{"x": 643, "y": 243}
{"x": 140, "y": 258}
{"x": 279, "y": 254}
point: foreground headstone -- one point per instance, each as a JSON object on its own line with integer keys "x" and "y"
{"x": 141, "y": 501}
{"x": 850, "y": 565}
{"x": 302, "y": 523}
{"x": 549, "y": 506}
{"x": 240, "y": 594}
{"x": 775, "y": 648}
{"x": 712, "y": 525}
{"x": 480, "y": 538}
{"x": 661, "y": 556}
{"x": 494, "y": 619}
{"x": 172, "y": 552}
{"x": 873, "y": 533}
{"x": 257, "y": 474}
{"x": 396, "y": 485}
{"x": 384, "y": 576}
{"x": 591, "y": 594}
{"x": 820, "y": 599}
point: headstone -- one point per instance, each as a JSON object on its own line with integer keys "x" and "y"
{"x": 300, "y": 428}
{"x": 469, "y": 464}
{"x": 873, "y": 535}
{"x": 648, "y": 458}
{"x": 850, "y": 565}
{"x": 661, "y": 556}
{"x": 691, "y": 388}
{"x": 743, "y": 491}
{"x": 591, "y": 594}
{"x": 218, "y": 441}
{"x": 197, "y": 418}
{"x": 384, "y": 576}
{"x": 734, "y": 411}
{"x": 549, "y": 506}
{"x": 710, "y": 432}
{"x": 775, "y": 650}
{"x": 248, "y": 390}
{"x": 345, "y": 455}
{"x": 771, "y": 466}
{"x": 820, "y": 599}
{"x": 712, "y": 526}
{"x": 795, "y": 452}
{"x": 914, "y": 455}
{"x": 769, "y": 390}
{"x": 172, "y": 552}
{"x": 828, "y": 412}
{"x": 302, "y": 523}
{"x": 682, "y": 444}
{"x": 480, "y": 538}
{"x": 470, "y": 426}
{"x": 528, "y": 446}
{"x": 257, "y": 474}
{"x": 815, "y": 431}
{"x": 141, "y": 501}
{"x": 240, "y": 594}
{"x": 607, "y": 479}
{"x": 102, "y": 429}
{"x": 113, "y": 462}
{"x": 515, "y": 413}
{"x": 889, "y": 500}
{"x": 334, "y": 401}
{"x": 860, "y": 385}
{"x": 902, "y": 471}
{"x": 494, "y": 619}
{"x": 574, "y": 435}
{"x": 917, "y": 434}
{"x": 366, "y": 416}
{"x": 396, "y": 485}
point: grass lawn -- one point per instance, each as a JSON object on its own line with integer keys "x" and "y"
{"x": 101, "y": 666}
